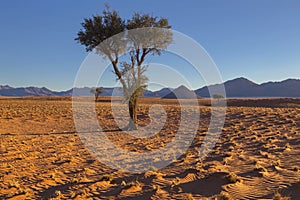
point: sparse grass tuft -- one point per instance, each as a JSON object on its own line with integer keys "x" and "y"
{"x": 175, "y": 182}
{"x": 14, "y": 183}
{"x": 155, "y": 187}
{"x": 260, "y": 168}
{"x": 278, "y": 196}
{"x": 296, "y": 169}
{"x": 189, "y": 197}
{"x": 52, "y": 175}
{"x": 57, "y": 193}
{"x": 74, "y": 180}
{"x": 135, "y": 184}
{"x": 222, "y": 196}
{"x": 153, "y": 169}
{"x": 73, "y": 194}
{"x": 233, "y": 178}
{"x": 22, "y": 191}
{"x": 123, "y": 183}
{"x": 288, "y": 147}
{"x": 107, "y": 177}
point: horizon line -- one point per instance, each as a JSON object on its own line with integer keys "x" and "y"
{"x": 240, "y": 77}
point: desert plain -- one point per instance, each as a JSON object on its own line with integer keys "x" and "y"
{"x": 257, "y": 155}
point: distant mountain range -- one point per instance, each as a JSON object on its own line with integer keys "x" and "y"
{"x": 181, "y": 92}
{"x": 242, "y": 87}
{"x": 239, "y": 87}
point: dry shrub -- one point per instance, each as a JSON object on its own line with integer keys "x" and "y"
{"x": 233, "y": 178}
{"x": 189, "y": 197}
{"x": 278, "y": 196}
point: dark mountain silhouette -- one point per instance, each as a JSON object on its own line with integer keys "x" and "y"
{"x": 85, "y": 91}
{"x": 181, "y": 92}
{"x": 159, "y": 93}
{"x": 242, "y": 87}
{"x": 286, "y": 88}
{"x": 28, "y": 91}
{"x": 5, "y": 87}
{"x": 239, "y": 87}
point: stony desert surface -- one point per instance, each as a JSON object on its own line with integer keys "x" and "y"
{"x": 257, "y": 155}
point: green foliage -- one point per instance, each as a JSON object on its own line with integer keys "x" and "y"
{"x": 99, "y": 28}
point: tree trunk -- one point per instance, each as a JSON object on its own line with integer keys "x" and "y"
{"x": 132, "y": 105}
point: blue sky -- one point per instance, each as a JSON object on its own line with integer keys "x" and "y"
{"x": 257, "y": 39}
